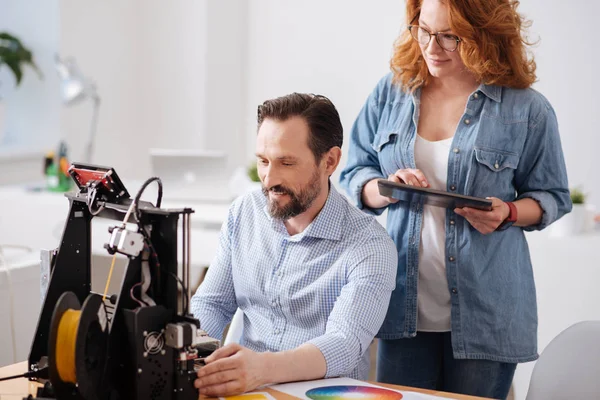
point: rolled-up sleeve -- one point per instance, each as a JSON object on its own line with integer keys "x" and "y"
{"x": 542, "y": 174}
{"x": 361, "y": 306}
{"x": 363, "y": 163}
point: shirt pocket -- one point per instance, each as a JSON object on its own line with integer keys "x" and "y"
{"x": 496, "y": 160}
{"x": 494, "y": 172}
{"x": 383, "y": 139}
{"x": 387, "y": 149}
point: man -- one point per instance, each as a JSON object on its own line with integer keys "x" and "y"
{"x": 312, "y": 274}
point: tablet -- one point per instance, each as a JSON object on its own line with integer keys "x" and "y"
{"x": 439, "y": 198}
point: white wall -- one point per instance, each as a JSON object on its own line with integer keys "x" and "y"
{"x": 339, "y": 49}
{"x": 30, "y": 114}
{"x": 567, "y": 59}
{"x": 148, "y": 61}
{"x": 226, "y": 77}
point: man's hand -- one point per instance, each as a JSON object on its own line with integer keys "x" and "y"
{"x": 231, "y": 370}
{"x": 485, "y": 221}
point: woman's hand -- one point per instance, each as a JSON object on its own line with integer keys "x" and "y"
{"x": 371, "y": 196}
{"x": 485, "y": 221}
{"x": 409, "y": 176}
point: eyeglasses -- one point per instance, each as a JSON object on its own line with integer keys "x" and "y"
{"x": 446, "y": 41}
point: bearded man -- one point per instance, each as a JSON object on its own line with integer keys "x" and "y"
{"x": 311, "y": 273}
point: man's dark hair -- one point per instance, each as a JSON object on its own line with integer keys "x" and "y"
{"x": 319, "y": 113}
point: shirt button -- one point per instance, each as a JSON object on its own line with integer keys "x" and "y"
{"x": 452, "y": 187}
{"x": 451, "y": 258}
{"x": 456, "y": 150}
{"x": 467, "y": 121}
{"x": 496, "y": 165}
{"x": 276, "y": 332}
{"x": 451, "y": 222}
{"x": 274, "y": 303}
{"x": 279, "y": 273}
{"x": 454, "y": 290}
{"x": 476, "y": 95}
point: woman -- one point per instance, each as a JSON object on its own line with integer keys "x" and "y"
{"x": 457, "y": 114}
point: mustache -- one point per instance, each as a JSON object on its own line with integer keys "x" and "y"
{"x": 280, "y": 189}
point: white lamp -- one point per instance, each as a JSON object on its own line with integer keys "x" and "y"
{"x": 75, "y": 88}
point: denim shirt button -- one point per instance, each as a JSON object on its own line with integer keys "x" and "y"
{"x": 476, "y": 95}
{"x": 454, "y": 290}
{"x": 452, "y": 187}
{"x": 456, "y": 150}
{"x": 451, "y": 258}
{"x": 467, "y": 121}
{"x": 452, "y": 222}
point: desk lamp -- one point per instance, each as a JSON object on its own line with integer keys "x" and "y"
{"x": 75, "y": 88}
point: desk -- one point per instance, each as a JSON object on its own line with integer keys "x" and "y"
{"x": 19, "y": 388}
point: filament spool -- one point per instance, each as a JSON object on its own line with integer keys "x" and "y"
{"x": 77, "y": 349}
{"x": 65, "y": 345}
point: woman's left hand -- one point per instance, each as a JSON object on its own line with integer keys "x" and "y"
{"x": 485, "y": 221}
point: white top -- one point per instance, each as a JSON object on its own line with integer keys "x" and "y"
{"x": 433, "y": 295}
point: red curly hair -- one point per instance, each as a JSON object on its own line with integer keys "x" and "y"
{"x": 492, "y": 46}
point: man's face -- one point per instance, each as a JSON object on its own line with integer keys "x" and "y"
{"x": 290, "y": 176}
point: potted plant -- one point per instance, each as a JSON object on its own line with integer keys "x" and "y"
{"x": 244, "y": 179}
{"x": 579, "y": 220}
{"x": 253, "y": 172}
{"x": 15, "y": 55}
{"x": 577, "y": 197}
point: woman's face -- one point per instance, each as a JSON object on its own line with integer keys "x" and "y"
{"x": 441, "y": 63}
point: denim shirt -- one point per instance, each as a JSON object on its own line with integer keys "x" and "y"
{"x": 506, "y": 145}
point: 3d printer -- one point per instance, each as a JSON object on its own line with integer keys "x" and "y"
{"x": 139, "y": 343}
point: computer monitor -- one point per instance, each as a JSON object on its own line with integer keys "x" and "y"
{"x": 192, "y": 175}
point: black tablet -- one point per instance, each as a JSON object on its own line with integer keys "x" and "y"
{"x": 433, "y": 197}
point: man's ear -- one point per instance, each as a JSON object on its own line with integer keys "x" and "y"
{"x": 331, "y": 159}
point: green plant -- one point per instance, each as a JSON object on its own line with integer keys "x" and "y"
{"x": 253, "y": 173}
{"x": 577, "y": 196}
{"x": 15, "y": 55}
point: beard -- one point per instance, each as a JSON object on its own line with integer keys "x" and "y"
{"x": 299, "y": 201}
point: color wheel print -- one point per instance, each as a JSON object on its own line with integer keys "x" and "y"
{"x": 352, "y": 392}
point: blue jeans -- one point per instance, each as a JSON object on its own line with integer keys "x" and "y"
{"x": 426, "y": 361}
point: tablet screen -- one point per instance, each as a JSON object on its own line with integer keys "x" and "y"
{"x": 438, "y": 198}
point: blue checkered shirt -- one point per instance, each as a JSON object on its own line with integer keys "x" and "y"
{"x": 329, "y": 285}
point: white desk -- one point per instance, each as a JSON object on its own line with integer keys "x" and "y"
{"x": 19, "y": 304}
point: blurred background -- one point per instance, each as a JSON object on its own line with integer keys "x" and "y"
{"x": 190, "y": 73}
{"x": 172, "y": 87}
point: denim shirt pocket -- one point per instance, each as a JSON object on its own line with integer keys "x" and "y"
{"x": 382, "y": 139}
{"x": 494, "y": 173}
{"x": 384, "y": 145}
{"x": 496, "y": 160}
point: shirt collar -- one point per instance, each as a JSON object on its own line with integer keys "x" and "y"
{"x": 326, "y": 225}
{"x": 491, "y": 91}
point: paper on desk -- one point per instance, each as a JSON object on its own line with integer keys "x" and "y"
{"x": 346, "y": 388}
